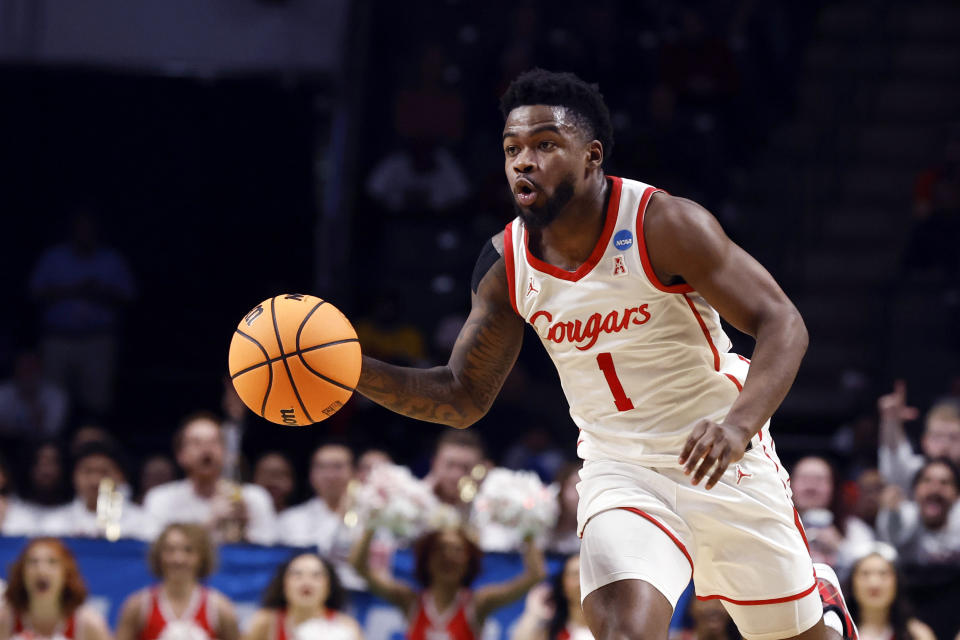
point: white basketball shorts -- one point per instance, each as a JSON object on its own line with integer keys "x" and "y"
{"x": 741, "y": 541}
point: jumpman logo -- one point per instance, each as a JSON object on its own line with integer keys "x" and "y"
{"x": 532, "y": 290}
{"x": 741, "y": 474}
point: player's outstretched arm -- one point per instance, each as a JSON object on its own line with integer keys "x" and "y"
{"x": 685, "y": 241}
{"x": 460, "y": 392}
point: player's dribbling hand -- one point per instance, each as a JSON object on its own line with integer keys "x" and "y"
{"x": 714, "y": 446}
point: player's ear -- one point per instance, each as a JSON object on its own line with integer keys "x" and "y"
{"x": 594, "y": 154}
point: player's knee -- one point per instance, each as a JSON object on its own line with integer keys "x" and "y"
{"x": 630, "y": 629}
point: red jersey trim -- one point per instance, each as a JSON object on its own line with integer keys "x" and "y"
{"x": 795, "y": 596}
{"x": 734, "y": 381}
{"x": 599, "y": 249}
{"x": 662, "y": 527}
{"x": 508, "y": 261}
{"x": 642, "y": 249}
{"x": 706, "y": 333}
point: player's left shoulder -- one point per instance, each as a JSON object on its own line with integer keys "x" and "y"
{"x": 667, "y": 212}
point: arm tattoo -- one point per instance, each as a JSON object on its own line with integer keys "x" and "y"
{"x": 461, "y": 392}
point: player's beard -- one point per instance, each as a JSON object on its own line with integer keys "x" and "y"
{"x": 540, "y": 217}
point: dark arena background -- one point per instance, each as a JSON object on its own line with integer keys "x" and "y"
{"x": 215, "y": 153}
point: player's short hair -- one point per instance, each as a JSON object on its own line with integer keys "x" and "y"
{"x": 199, "y": 537}
{"x": 74, "y": 590}
{"x": 275, "y": 598}
{"x": 562, "y": 89}
{"x": 460, "y": 438}
{"x": 187, "y": 421}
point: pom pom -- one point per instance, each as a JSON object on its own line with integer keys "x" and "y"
{"x": 517, "y": 500}
{"x": 395, "y": 500}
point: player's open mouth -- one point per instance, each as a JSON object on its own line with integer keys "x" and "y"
{"x": 525, "y": 192}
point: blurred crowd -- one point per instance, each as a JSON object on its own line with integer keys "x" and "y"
{"x": 904, "y": 510}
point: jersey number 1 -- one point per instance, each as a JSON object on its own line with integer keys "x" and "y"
{"x": 605, "y": 361}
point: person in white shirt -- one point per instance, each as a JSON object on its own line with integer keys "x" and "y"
{"x": 898, "y": 462}
{"x": 117, "y": 517}
{"x": 319, "y": 520}
{"x": 231, "y": 511}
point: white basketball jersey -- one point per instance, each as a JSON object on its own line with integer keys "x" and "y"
{"x": 640, "y": 362}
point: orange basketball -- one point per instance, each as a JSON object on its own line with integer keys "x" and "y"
{"x": 295, "y": 359}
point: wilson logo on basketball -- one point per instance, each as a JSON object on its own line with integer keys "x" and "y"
{"x": 587, "y": 332}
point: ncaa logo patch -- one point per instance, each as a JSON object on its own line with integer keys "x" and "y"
{"x": 623, "y": 239}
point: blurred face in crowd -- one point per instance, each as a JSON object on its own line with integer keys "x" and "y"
{"x": 87, "y": 474}
{"x": 331, "y": 471}
{"x": 571, "y": 580}
{"x": 201, "y": 450}
{"x": 545, "y": 157}
{"x": 156, "y": 470}
{"x": 306, "y": 584}
{"x": 941, "y": 438}
{"x": 812, "y": 484}
{"x": 369, "y": 460}
{"x": 870, "y": 485}
{"x": 935, "y": 493}
{"x": 46, "y": 471}
{"x": 179, "y": 558}
{"x": 44, "y": 572}
{"x": 275, "y": 474}
{"x": 874, "y": 583}
{"x": 452, "y": 462}
{"x": 710, "y": 619}
{"x": 450, "y": 558}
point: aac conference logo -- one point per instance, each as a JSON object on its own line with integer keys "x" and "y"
{"x": 623, "y": 240}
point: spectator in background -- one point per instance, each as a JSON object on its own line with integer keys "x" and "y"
{"x": 446, "y": 562}
{"x": 156, "y": 470}
{"x": 710, "y": 622}
{"x": 457, "y": 454}
{"x": 44, "y": 487}
{"x": 30, "y": 406}
{"x": 304, "y": 600}
{"x": 180, "y": 606}
{"x": 564, "y": 539}
{"x": 941, "y": 435}
{"x": 232, "y": 512}
{"x": 45, "y": 595}
{"x": 553, "y": 612}
{"x": 870, "y": 486}
{"x": 274, "y": 472}
{"x": 925, "y": 530}
{"x": 831, "y": 532}
{"x": 81, "y": 286}
{"x": 421, "y": 175}
{"x": 99, "y": 511}
{"x": 15, "y": 519}
{"x": 876, "y": 600}
{"x": 931, "y": 248}
{"x": 319, "y": 521}
{"x": 368, "y": 460}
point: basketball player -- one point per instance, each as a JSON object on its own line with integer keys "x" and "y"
{"x": 625, "y": 286}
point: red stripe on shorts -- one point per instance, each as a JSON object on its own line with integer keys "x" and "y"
{"x": 663, "y": 528}
{"x": 795, "y": 596}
